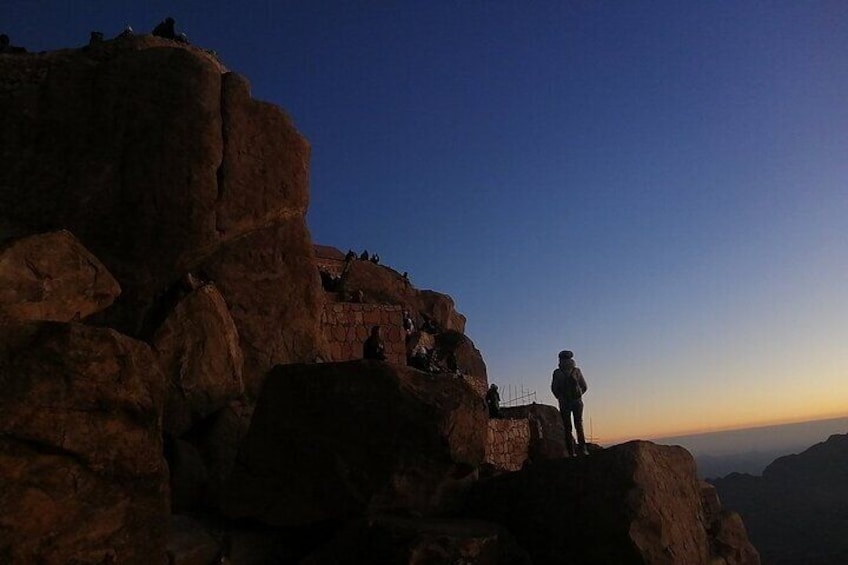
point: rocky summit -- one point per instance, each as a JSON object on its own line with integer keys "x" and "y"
{"x": 181, "y": 372}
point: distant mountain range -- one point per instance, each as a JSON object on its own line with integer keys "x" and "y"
{"x": 750, "y": 450}
{"x": 797, "y": 511}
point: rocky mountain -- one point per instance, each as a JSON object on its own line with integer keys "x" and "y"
{"x": 797, "y": 511}
{"x": 178, "y": 385}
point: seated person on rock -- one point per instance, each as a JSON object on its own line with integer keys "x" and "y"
{"x": 374, "y": 348}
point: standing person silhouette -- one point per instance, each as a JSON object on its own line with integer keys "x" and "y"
{"x": 568, "y": 386}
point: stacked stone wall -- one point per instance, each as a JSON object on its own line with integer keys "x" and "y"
{"x": 508, "y": 443}
{"x": 346, "y": 326}
{"x": 332, "y": 266}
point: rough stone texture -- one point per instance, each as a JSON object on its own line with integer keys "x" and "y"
{"x": 198, "y": 350}
{"x": 347, "y": 325}
{"x": 632, "y": 503}
{"x": 796, "y": 511}
{"x": 468, "y": 357}
{"x": 391, "y": 540}
{"x": 264, "y": 174}
{"x": 82, "y": 478}
{"x": 383, "y": 285}
{"x": 507, "y": 443}
{"x": 334, "y": 440}
{"x": 190, "y": 544}
{"x": 53, "y": 277}
{"x": 274, "y": 295}
{"x": 153, "y": 156}
{"x": 547, "y": 436}
{"x": 730, "y": 541}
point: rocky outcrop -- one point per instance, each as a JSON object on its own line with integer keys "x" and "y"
{"x": 795, "y": 512}
{"x": 337, "y": 440}
{"x": 274, "y": 294}
{"x": 381, "y": 284}
{"x": 159, "y": 161}
{"x": 82, "y": 477}
{"x": 52, "y": 277}
{"x": 198, "y": 350}
{"x": 632, "y": 503}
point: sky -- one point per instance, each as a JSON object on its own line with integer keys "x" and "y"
{"x": 660, "y": 187}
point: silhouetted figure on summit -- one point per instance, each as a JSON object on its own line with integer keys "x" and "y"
{"x": 364, "y": 256}
{"x": 568, "y": 386}
{"x": 165, "y": 29}
{"x": 375, "y": 259}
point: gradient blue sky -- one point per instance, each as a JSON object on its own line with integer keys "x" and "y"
{"x": 660, "y": 186}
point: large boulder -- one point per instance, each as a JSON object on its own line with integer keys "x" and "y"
{"x": 333, "y": 440}
{"x": 632, "y": 503}
{"x": 82, "y": 477}
{"x": 53, "y": 277}
{"x": 152, "y": 154}
{"x": 198, "y": 350}
{"x": 274, "y": 295}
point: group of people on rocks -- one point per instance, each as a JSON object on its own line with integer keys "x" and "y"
{"x": 364, "y": 256}
{"x": 164, "y": 29}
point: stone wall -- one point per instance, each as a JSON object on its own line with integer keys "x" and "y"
{"x": 346, "y": 326}
{"x": 508, "y": 443}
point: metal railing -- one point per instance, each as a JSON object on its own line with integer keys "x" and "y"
{"x": 518, "y": 395}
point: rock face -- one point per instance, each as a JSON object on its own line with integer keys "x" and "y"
{"x": 82, "y": 477}
{"x": 52, "y": 277}
{"x": 795, "y": 512}
{"x": 155, "y": 157}
{"x": 198, "y": 350}
{"x": 632, "y": 503}
{"x": 337, "y": 440}
{"x": 274, "y": 294}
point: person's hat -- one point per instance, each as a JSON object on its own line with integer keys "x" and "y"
{"x": 566, "y": 354}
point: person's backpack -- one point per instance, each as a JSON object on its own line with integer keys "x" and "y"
{"x": 567, "y": 387}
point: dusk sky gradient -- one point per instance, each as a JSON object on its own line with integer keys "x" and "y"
{"x": 661, "y": 187}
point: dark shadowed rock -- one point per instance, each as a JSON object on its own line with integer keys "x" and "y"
{"x": 547, "y": 435}
{"x": 730, "y": 540}
{"x": 82, "y": 478}
{"x": 632, "y": 503}
{"x": 189, "y": 480}
{"x": 468, "y": 357}
{"x": 189, "y": 543}
{"x": 217, "y": 439}
{"x": 391, "y": 540}
{"x": 333, "y": 440}
{"x": 274, "y": 295}
{"x": 198, "y": 351}
{"x": 53, "y": 277}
